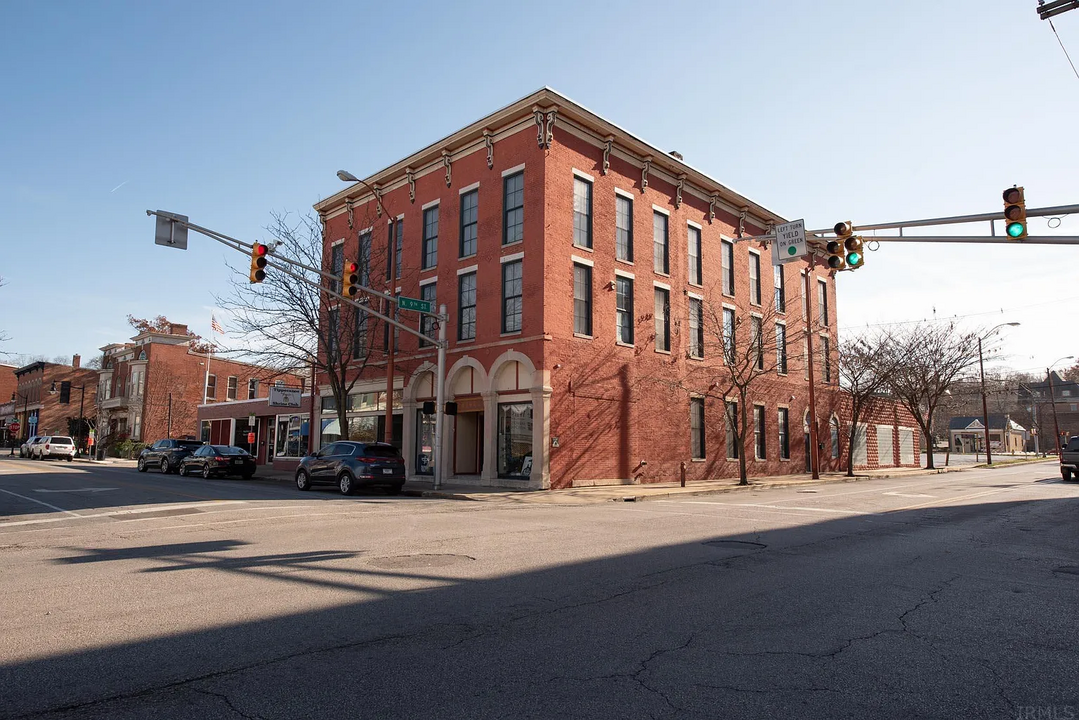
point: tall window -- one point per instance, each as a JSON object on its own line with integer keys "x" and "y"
{"x": 781, "y": 289}
{"x": 732, "y": 425}
{"x": 624, "y": 305}
{"x": 728, "y": 335}
{"x": 696, "y": 427}
{"x": 802, "y": 290}
{"x": 332, "y": 330}
{"x": 826, "y": 358}
{"x": 252, "y": 389}
{"x": 430, "y": 237}
{"x": 760, "y": 440}
{"x": 428, "y": 292}
{"x": 466, "y": 306}
{"x": 834, "y": 427}
{"x": 582, "y": 212}
{"x": 470, "y": 218}
{"x": 696, "y": 327}
{"x": 230, "y": 390}
{"x": 784, "y": 434}
{"x": 660, "y": 250}
{"x": 394, "y": 243}
{"x": 359, "y": 335}
{"x": 756, "y": 336}
{"x": 822, "y": 301}
{"x": 805, "y": 358}
{"x": 663, "y": 319}
{"x": 513, "y": 208}
{"x": 582, "y": 299}
{"x": 337, "y": 266}
{"x": 727, "y": 266}
{"x": 512, "y": 292}
{"x": 754, "y": 279}
{"x": 623, "y": 228}
{"x": 211, "y": 387}
{"x": 696, "y": 272}
{"x": 365, "y": 258}
{"x": 781, "y": 349}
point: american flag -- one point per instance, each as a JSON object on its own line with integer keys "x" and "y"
{"x": 216, "y": 326}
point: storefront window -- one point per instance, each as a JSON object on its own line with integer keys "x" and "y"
{"x": 205, "y": 434}
{"x": 363, "y": 429}
{"x": 290, "y": 439}
{"x": 425, "y": 443}
{"x": 515, "y": 440}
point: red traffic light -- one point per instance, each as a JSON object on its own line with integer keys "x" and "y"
{"x": 261, "y": 249}
{"x": 351, "y": 267}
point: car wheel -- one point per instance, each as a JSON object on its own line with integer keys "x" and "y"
{"x": 182, "y": 470}
{"x": 303, "y": 482}
{"x": 345, "y": 483}
{"x": 1066, "y": 474}
{"x": 142, "y": 465}
{"x": 394, "y": 490}
{"x": 206, "y": 472}
{"x": 165, "y": 470}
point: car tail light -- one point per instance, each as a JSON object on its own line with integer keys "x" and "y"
{"x": 219, "y": 459}
{"x": 46, "y": 446}
{"x": 369, "y": 459}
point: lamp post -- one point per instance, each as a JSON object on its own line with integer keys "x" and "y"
{"x": 985, "y": 406}
{"x": 25, "y": 410}
{"x": 1053, "y": 400}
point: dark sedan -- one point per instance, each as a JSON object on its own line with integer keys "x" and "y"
{"x": 166, "y": 455}
{"x": 350, "y": 465}
{"x": 210, "y": 460}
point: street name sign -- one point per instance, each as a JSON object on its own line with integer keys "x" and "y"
{"x": 790, "y": 243}
{"x": 407, "y": 303}
{"x": 169, "y": 233}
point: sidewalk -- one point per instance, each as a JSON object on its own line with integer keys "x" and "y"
{"x": 634, "y": 493}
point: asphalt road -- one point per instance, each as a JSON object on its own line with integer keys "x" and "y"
{"x": 128, "y": 595}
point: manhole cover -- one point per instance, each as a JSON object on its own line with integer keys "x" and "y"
{"x": 735, "y": 544}
{"x": 1068, "y": 570}
{"x": 412, "y": 562}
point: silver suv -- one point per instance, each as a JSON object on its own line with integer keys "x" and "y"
{"x": 26, "y": 449}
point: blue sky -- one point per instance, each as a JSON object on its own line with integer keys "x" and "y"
{"x": 228, "y": 111}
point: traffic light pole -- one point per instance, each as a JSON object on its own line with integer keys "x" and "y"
{"x": 441, "y": 316}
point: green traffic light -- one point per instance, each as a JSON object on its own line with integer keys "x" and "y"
{"x": 854, "y": 259}
{"x": 1015, "y": 229}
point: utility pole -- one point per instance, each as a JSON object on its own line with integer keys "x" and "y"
{"x": 814, "y": 450}
{"x": 391, "y": 335}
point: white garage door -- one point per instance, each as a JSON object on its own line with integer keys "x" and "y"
{"x": 885, "y": 446}
{"x": 906, "y": 446}
{"x": 861, "y": 453}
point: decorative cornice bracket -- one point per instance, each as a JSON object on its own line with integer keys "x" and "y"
{"x": 378, "y": 200}
{"x": 678, "y": 191}
{"x": 348, "y": 206}
{"x": 647, "y": 160}
{"x": 712, "y": 208}
{"x": 446, "y": 163}
{"x": 743, "y": 212}
{"x": 489, "y": 143}
{"x": 411, "y": 175}
{"x": 608, "y": 143}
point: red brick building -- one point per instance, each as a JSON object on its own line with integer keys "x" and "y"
{"x": 43, "y": 406}
{"x": 578, "y": 264}
{"x": 151, "y": 388}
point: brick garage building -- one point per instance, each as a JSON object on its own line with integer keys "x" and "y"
{"x": 275, "y": 429}
{"x": 151, "y": 387}
{"x": 577, "y": 263}
{"x": 40, "y": 405}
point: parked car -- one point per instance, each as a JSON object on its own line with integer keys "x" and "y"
{"x": 210, "y": 460}
{"x": 24, "y": 449}
{"x": 165, "y": 455}
{"x": 57, "y": 446}
{"x": 1069, "y": 459}
{"x": 350, "y": 465}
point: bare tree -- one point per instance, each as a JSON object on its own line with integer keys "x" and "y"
{"x": 925, "y": 361}
{"x": 864, "y": 368}
{"x": 286, "y": 324}
{"x": 162, "y": 324}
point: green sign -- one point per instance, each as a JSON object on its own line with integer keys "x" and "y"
{"x": 407, "y": 303}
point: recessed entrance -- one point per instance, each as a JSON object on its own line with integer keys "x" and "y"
{"x": 468, "y": 443}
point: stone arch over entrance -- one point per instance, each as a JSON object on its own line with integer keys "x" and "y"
{"x": 422, "y": 383}
{"x": 465, "y": 377}
{"x": 512, "y": 370}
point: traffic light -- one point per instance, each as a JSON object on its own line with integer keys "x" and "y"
{"x": 258, "y": 262}
{"x": 1015, "y": 213}
{"x": 65, "y": 392}
{"x": 349, "y": 280}
{"x": 836, "y": 248}
{"x": 855, "y": 255}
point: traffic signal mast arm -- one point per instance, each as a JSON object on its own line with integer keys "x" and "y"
{"x": 275, "y": 263}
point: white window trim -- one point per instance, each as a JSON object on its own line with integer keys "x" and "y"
{"x": 583, "y": 175}
{"x": 695, "y": 296}
{"x": 661, "y": 210}
{"x": 428, "y": 281}
{"x": 692, "y": 224}
{"x": 663, "y": 286}
{"x": 366, "y": 230}
{"x": 511, "y": 258}
{"x": 728, "y": 306}
{"x": 625, "y": 274}
{"x": 429, "y": 205}
{"x": 581, "y": 261}
{"x": 513, "y": 170}
{"x": 468, "y": 188}
{"x": 623, "y": 193}
{"x": 467, "y": 270}
{"x": 335, "y": 243}
{"x": 399, "y": 217}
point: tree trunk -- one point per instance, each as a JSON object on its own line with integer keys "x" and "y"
{"x": 743, "y": 475}
{"x": 928, "y": 443}
{"x": 854, "y": 416}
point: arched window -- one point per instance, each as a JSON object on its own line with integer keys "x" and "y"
{"x": 834, "y": 425}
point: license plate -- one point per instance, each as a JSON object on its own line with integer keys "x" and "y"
{"x": 387, "y": 471}
{"x": 237, "y": 461}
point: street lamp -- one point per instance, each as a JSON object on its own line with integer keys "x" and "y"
{"x": 985, "y": 406}
{"x": 1053, "y": 400}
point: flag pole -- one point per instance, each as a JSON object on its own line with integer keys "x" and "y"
{"x": 209, "y": 352}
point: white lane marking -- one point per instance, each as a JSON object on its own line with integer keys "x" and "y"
{"x": 41, "y": 502}
{"x": 910, "y": 495}
{"x": 116, "y": 513}
{"x": 770, "y": 507}
{"x": 42, "y": 490}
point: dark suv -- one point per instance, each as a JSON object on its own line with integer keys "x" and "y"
{"x": 350, "y": 465}
{"x": 165, "y": 455}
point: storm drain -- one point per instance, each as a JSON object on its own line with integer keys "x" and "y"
{"x": 415, "y": 562}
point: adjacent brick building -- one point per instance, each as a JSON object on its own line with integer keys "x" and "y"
{"x": 151, "y": 387}
{"x": 48, "y": 397}
{"x": 580, "y": 267}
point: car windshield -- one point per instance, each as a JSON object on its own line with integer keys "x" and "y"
{"x": 229, "y": 450}
{"x": 1073, "y": 445}
{"x": 56, "y": 440}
